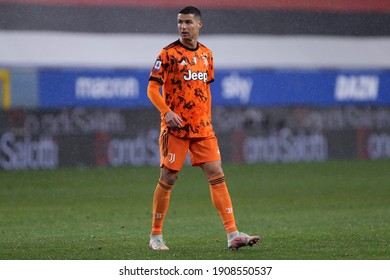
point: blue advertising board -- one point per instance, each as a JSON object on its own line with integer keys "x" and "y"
{"x": 93, "y": 88}
{"x": 281, "y": 87}
{"x": 243, "y": 87}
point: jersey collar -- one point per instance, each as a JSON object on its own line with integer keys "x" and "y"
{"x": 187, "y": 48}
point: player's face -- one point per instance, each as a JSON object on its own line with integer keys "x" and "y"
{"x": 188, "y": 26}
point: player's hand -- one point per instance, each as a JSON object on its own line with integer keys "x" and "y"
{"x": 173, "y": 120}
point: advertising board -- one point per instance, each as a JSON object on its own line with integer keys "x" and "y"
{"x": 59, "y": 88}
{"x": 80, "y": 137}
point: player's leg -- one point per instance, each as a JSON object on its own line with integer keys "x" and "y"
{"x": 161, "y": 200}
{"x": 219, "y": 194}
{"x": 221, "y": 200}
{"x": 173, "y": 152}
{"x": 206, "y": 154}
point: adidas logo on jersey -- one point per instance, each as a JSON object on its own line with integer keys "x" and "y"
{"x": 196, "y": 76}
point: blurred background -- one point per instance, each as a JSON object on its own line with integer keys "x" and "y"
{"x": 295, "y": 81}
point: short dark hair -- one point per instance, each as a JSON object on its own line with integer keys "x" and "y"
{"x": 191, "y": 10}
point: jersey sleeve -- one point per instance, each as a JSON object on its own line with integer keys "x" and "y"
{"x": 160, "y": 67}
{"x": 156, "y": 98}
{"x": 211, "y": 69}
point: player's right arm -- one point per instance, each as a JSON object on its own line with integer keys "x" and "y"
{"x": 173, "y": 120}
{"x": 156, "y": 98}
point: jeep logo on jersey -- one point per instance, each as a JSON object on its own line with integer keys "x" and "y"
{"x": 196, "y": 76}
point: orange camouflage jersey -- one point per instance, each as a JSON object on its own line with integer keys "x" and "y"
{"x": 185, "y": 75}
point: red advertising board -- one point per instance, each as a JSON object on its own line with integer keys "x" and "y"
{"x": 316, "y": 5}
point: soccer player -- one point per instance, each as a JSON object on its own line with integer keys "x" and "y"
{"x": 184, "y": 69}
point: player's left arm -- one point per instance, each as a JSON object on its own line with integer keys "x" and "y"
{"x": 210, "y": 76}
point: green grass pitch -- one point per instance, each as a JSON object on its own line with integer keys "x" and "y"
{"x": 333, "y": 210}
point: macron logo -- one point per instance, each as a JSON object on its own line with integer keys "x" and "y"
{"x": 235, "y": 86}
{"x": 107, "y": 88}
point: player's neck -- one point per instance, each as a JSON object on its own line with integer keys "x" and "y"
{"x": 191, "y": 44}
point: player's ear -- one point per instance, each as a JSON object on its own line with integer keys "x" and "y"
{"x": 200, "y": 24}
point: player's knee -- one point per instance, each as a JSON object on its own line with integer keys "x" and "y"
{"x": 169, "y": 176}
{"x": 170, "y": 179}
{"x": 212, "y": 169}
